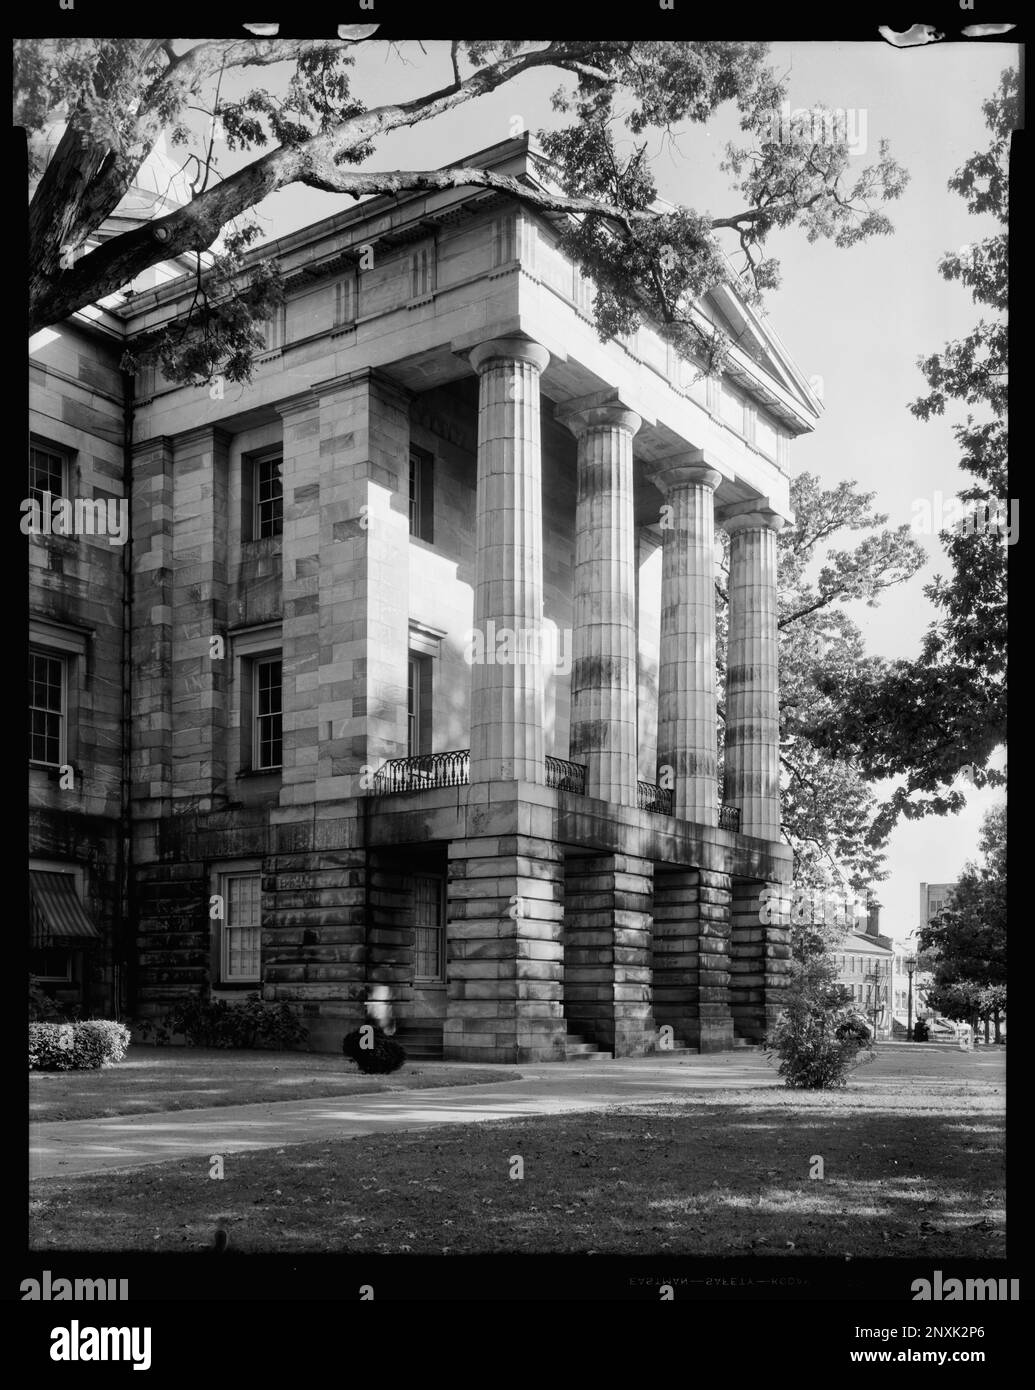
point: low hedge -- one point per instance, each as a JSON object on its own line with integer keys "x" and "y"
{"x": 218, "y": 1023}
{"x": 81, "y": 1046}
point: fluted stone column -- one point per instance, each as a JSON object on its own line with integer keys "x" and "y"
{"x": 752, "y": 779}
{"x": 686, "y": 677}
{"x": 507, "y": 695}
{"x": 604, "y": 656}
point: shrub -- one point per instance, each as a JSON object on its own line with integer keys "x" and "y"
{"x": 921, "y": 1032}
{"x": 51, "y": 1046}
{"x": 373, "y": 1050}
{"x": 820, "y": 1037}
{"x": 853, "y": 1028}
{"x": 218, "y": 1023}
{"x": 111, "y": 1038}
{"x": 76, "y": 1046}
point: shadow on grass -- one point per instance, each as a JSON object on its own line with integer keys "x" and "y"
{"x": 719, "y": 1178}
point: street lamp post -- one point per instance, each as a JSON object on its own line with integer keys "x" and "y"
{"x": 876, "y": 1002}
{"x": 910, "y": 964}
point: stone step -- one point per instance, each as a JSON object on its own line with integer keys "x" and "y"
{"x": 577, "y": 1049}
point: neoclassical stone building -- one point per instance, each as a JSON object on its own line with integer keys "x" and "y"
{"x": 400, "y": 699}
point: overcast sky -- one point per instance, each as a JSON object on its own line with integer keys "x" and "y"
{"x": 859, "y": 318}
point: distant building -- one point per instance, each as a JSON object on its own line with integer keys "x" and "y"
{"x": 933, "y": 897}
{"x": 864, "y": 963}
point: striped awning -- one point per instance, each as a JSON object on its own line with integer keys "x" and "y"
{"x": 55, "y": 912}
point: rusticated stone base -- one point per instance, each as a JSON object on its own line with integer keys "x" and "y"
{"x": 607, "y": 967}
{"x": 708, "y": 1034}
{"x": 691, "y": 956}
{"x": 504, "y": 949}
{"x": 760, "y": 962}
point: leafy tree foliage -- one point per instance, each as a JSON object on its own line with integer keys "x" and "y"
{"x": 968, "y": 937}
{"x": 926, "y": 721}
{"x": 116, "y": 96}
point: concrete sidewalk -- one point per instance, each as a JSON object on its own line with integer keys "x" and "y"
{"x": 66, "y": 1148}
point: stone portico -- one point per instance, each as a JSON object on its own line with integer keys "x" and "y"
{"x": 499, "y": 853}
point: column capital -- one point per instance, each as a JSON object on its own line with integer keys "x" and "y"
{"x": 692, "y": 467}
{"x": 509, "y": 350}
{"x": 600, "y": 410}
{"x": 751, "y": 516}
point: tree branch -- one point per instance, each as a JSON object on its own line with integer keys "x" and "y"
{"x": 315, "y": 161}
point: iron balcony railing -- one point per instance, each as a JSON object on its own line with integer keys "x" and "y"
{"x": 424, "y": 770}
{"x": 650, "y": 797}
{"x": 565, "y": 776}
{"x": 453, "y": 769}
{"x": 729, "y": 818}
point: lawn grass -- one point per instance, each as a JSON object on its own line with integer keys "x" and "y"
{"x": 152, "y": 1079}
{"x": 912, "y": 1167}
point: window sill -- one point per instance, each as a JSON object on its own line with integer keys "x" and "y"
{"x": 54, "y": 771}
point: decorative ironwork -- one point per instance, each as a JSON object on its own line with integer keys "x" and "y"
{"x": 424, "y": 770}
{"x": 565, "y": 776}
{"x": 650, "y": 797}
